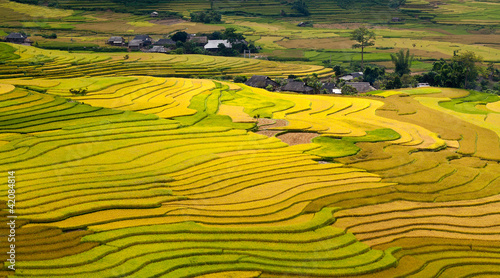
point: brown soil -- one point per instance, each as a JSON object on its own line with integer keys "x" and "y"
{"x": 296, "y": 138}
{"x": 264, "y": 124}
{"x": 291, "y": 138}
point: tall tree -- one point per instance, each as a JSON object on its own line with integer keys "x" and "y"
{"x": 467, "y": 61}
{"x": 365, "y": 38}
{"x": 402, "y": 61}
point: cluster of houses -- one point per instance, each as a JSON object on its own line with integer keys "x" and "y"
{"x": 292, "y": 85}
{"x": 163, "y": 45}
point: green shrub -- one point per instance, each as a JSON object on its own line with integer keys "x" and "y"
{"x": 79, "y": 92}
{"x": 240, "y": 79}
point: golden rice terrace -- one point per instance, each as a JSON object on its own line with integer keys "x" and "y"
{"x": 154, "y": 176}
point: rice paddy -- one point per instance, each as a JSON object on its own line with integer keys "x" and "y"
{"x": 164, "y": 177}
{"x": 39, "y": 63}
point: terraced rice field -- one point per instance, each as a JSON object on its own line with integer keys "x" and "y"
{"x": 34, "y": 62}
{"x": 166, "y": 177}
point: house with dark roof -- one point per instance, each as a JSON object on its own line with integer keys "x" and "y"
{"x": 201, "y": 40}
{"x": 146, "y": 40}
{"x": 214, "y": 44}
{"x": 330, "y": 88}
{"x": 361, "y": 87}
{"x": 16, "y": 38}
{"x": 164, "y": 42}
{"x": 261, "y": 81}
{"x": 298, "y": 87}
{"x": 351, "y": 76}
{"x": 135, "y": 44}
{"x": 116, "y": 41}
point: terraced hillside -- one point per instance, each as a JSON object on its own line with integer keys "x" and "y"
{"x": 171, "y": 177}
{"x": 320, "y": 10}
{"x": 25, "y": 61}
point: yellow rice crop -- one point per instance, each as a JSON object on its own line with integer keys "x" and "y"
{"x": 232, "y": 274}
{"x": 236, "y": 113}
{"x": 6, "y": 88}
{"x": 494, "y": 106}
{"x": 35, "y": 11}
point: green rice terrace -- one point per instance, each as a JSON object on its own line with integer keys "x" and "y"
{"x": 169, "y": 177}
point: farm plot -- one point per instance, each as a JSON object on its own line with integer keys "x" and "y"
{"x": 77, "y": 166}
{"x": 155, "y": 179}
{"x": 61, "y": 64}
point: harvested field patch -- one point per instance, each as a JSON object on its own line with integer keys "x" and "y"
{"x": 295, "y": 138}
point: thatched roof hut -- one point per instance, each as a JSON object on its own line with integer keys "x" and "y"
{"x": 260, "y": 81}
{"x": 299, "y": 87}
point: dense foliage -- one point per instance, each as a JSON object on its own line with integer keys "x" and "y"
{"x": 301, "y": 7}
{"x": 208, "y": 16}
{"x": 460, "y": 72}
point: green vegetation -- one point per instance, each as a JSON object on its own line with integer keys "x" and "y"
{"x": 402, "y": 62}
{"x": 208, "y": 16}
{"x": 469, "y": 104}
{"x": 346, "y": 146}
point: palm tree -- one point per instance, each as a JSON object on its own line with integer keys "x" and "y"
{"x": 402, "y": 61}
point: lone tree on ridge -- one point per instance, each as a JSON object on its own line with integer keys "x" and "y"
{"x": 365, "y": 38}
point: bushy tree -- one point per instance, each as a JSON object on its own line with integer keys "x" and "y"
{"x": 79, "y": 92}
{"x": 365, "y": 38}
{"x": 467, "y": 60}
{"x": 391, "y": 81}
{"x": 348, "y": 90}
{"x": 240, "y": 79}
{"x": 402, "y": 61}
{"x": 461, "y": 72}
{"x": 224, "y": 51}
{"x": 180, "y": 36}
{"x": 301, "y": 7}
{"x": 339, "y": 70}
{"x": 373, "y": 73}
{"x": 231, "y": 35}
{"x": 313, "y": 81}
{"x": 208, "y": 16}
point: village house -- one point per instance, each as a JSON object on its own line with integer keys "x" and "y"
{"x": 261, "y": 81}
{"x": 200, "y": 40}
{"x": 351, "y": 76}
{"x": 154, "y": 14}
{"x": 361, "y": 87}
{"x": 214, "y": 44}
{"x": 298, "y": 87}
{"x": 135, "y": 45}
{"x": 16, "y": 38}
{"x": 146, "y": 40}
{"x": 330, "y": 88}
{"x": 116, "y": 41}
